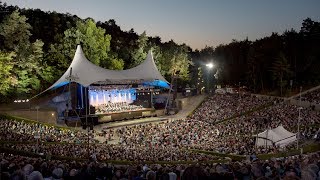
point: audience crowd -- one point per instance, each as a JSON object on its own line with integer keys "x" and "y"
{"x": 169, "y": 141}
{"x": 236, "y": 136}
{"x": 312, "y": 97}
{"x": 102, "y": 152}
{"x": 222, "y": 106}
{"x": 11, "y": 130}
{"x": 305, "y": 167}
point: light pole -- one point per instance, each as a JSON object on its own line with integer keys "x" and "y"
{"x": 209, "y": 67}
{"x": 299, "y": 118}
{"x": 171, "y": 142}
{"x": 239, "y": 91}
{"x": 37, "y": 135}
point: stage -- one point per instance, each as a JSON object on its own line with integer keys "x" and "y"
{"x": 96, "y": 119}
{"x": 128, "y": 115}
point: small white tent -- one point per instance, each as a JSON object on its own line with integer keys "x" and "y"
{"x": 277, "y": 136}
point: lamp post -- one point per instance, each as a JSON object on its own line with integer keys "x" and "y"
{"x": 37, "y": 135}
{"x": 209, "y": 67}
{"x": 299, "y": 118}
{"x": 171, "y": 142}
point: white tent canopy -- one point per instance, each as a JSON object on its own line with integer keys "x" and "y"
{"x": 277, "y": 136}
{"x": 85, "y": 73}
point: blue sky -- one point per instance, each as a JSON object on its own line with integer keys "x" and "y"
{"x": 195, "y": 22}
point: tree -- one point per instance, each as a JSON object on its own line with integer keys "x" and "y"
{"x": 281, "y": 70}
{"x": 174, "y": 58}
{"x": 32, "y": 71}
{"x": 94, "y": 41}
{"x": 253, "y": 68}
{"x": 16, "y": 32}
{"x": 28, "y": 67}
{"x": 310, "y": 27}
{"x": 140, "y": 54}
{"x": 122, "y": 43}
{"x": 6, "y": 75}
{"x": 41, "y": 71}
{"x": 180, "y": 62}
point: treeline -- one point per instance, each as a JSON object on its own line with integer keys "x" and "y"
{"x": 278, "y": 64}
{"x": 36, "y": 47}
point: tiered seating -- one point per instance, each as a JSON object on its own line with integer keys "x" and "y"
{"x": 312, "y": 97}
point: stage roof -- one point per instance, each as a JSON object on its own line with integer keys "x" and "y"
{"x": 84, "y": 72}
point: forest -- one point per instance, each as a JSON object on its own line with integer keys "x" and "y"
{"x": 36, "y": 48}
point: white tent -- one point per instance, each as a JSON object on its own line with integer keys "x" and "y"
{"x": 277, "y": 136}
{"x": 85, "y": 73}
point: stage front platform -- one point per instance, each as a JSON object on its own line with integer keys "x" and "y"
{"x": 115, "y": 116}
{"x": 129, "y": 115}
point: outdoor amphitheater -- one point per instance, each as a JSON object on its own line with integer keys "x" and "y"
{"x": 159, "y": 90}
{"x": 218, "y": 135}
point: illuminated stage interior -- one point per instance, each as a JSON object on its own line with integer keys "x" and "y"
{"x": 117, "y": 99}
{"x": 107, "y": 103}
{"x": 102, "y": 97}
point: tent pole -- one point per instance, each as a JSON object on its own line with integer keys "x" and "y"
{"x": 267, "y": 138}
{"x": 81, "y": 92}
{"x": 87, "y": 125}
{"x": 70, "y": 80}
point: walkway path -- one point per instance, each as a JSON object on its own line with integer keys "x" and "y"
{"x": 192, "y": 104}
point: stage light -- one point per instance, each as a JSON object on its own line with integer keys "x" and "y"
{"x": 27, "y": 100}
{"x": 19, "y": 101}
{"x": 52, "y": 114}
{"x": 209, "y": 65}
{"x": 15, "y": 101}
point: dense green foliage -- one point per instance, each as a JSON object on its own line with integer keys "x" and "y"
{"x": 36, "y": 48}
